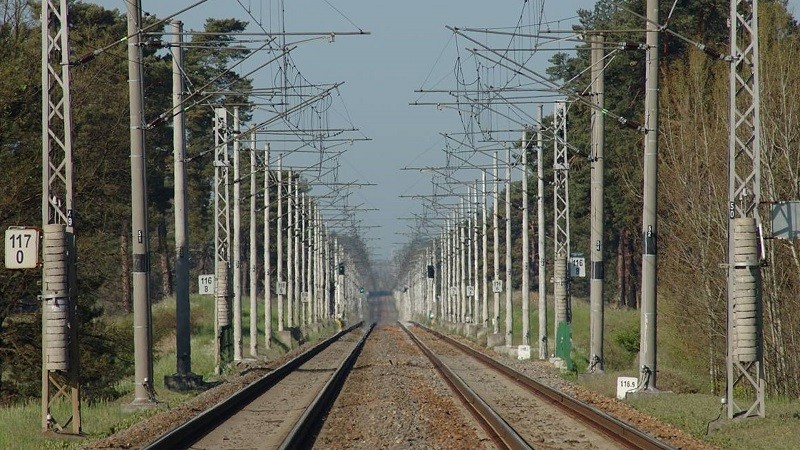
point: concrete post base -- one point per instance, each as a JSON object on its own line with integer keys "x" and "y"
{"x": 471, "y": 330}
{"x": 288, "y": 337}
{"x": 183, "y": 383}
{"x": 495, "y": 340}
{"x": 481, "y": 335}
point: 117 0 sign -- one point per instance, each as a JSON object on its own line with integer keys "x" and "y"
{"x": 22, "y": 248}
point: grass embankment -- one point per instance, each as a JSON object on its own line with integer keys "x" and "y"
{"x": 689, "y": 406}
{"x": 20, "y": 426}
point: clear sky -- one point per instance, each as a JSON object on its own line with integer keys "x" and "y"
{"x": 381, "y": 72}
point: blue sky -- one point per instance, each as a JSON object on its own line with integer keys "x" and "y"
{"x": 381, "y": 72}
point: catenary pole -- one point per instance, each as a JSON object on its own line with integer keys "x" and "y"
{"x": 237, "y": 238}
{"x": 509, "y": 316}
{"x": 540, "y": 236}
{"x": 144, "y": 395}
{"x": 597, "y": 185}
{"x": 252, "y": 265}
{"x": 290, "y": 250}
{"x": 182, "y": 311}
{"x": 747, "y": 383}
{"x": 526, "y": 246}
{"x": 485, "y": 249}
{"x": 647, "y": 353}
{"x": 279, "y": 238}
{"x": 60, "y": 351}
{"x": 267, "y": 255}
{"x": 298, "y": 276}
{"x": 476, "y": 257}
{"x": 496, "y": 241}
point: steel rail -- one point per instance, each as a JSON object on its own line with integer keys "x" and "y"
{"x": 499, "y": 431}
{"x": 616, "y": 429}
{"x": 304, "y": 431}
{"x": 183, "y": 436}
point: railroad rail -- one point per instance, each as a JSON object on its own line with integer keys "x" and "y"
{"x": 195, "y": 429}
{"x": 612, "y": 427}
{"x": 500, "y": 432}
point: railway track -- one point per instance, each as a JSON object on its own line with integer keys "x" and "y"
{"x": 518, "y": 412}
{"x": 280, "y": 410}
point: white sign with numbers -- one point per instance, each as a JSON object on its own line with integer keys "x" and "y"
{"x": 577, "y": 266}
{"x": 280, "y": 288}
{"x": 206, "y": 283}
{"x": 470, "y": 291}
{"x": 453, "y": 291}
{"x": 22, "y": 248}
{"x": 497, "y": 286}
{"x": 625, "y": 385}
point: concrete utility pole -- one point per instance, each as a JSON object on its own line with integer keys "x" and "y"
{"x": 745, "y": 361}
{"x": 561, "y": 294}
{"x": 496, "y": 243}
{"x": 453, "y": 289}
{"x": 303, "y": 248}
{"x": 298, "y": 276}
{"x": 597, "y": 217}
{"x": 310, "y": 270}
{"x": 649, "y": 317}
{"x": 428, "y": 284}
{"x": 144, "y": 395}
{"x": 60, "y": 358}
{"x": 280, "y": 288}
{"x": 509, "y": 310}
{"x": 267, "y": 257}
{"x": 290, "y": 250}
{"x": 252, "y": 264}
{"x": 476, "y": 319}
{"x": 326, "y": 272}
{"x": 484, "y": 234}
{"x": 183, "y": 379}
{"x": 444, "y": 273}
{"x": 543, "y": 355}
{"x": 463, "y": 264}
{"x": 448, "y": 297}
{"x": 237, "y": 239}
{"x": 318, "y": 274}
{"x": 337, "y": 306}
{"x": 470, "y": 231}
{"x": 526, "y": 245}
{"x": 222, "y": 338}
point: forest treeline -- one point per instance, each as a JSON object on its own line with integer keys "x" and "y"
{"x": 101, "y": 154}
{"x": 102, "y": 179}
{"x": 692, "y": 185}
{"x": 692, "y": 181}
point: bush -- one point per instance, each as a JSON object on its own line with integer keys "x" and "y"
{"x": 628, "y": 340}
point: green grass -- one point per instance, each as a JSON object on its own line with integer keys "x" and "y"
{"x": 20, "y": 425}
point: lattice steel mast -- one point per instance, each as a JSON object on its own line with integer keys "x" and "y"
{"x": 60, "y": 369}
{"x": 745, "y": 363}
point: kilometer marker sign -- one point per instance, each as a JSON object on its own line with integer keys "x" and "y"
{"x": 22, "y": 248}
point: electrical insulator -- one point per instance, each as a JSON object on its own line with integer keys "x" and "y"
{"x": 631, "y": 46}
{"x": 623, "y": 122}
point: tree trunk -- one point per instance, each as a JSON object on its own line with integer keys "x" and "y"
{"x": 166, "y": 272}
{"x": 621, "y": 270}
{"x": 631, "y": 300}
